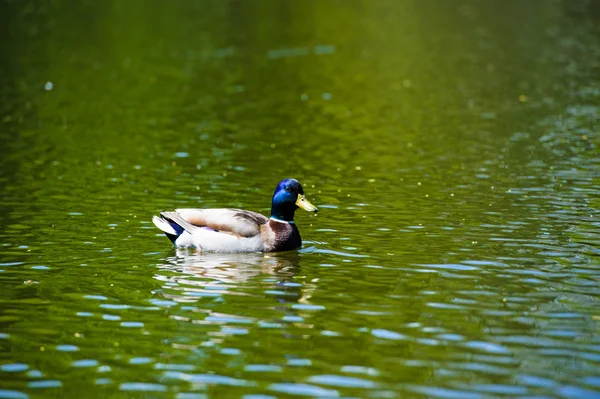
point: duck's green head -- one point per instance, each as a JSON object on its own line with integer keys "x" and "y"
{"x": 289, "y": 196}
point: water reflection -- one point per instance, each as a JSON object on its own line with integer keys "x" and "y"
{"x": 190, "y": 275}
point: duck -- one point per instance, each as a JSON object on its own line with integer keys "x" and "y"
{"x": 229, "y": 230}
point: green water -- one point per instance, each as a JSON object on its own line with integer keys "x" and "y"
{"x": 452, "y": 148}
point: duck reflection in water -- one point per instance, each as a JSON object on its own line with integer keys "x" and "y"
{"x": 221, "y": 297}
{"x": 190, "y": 275}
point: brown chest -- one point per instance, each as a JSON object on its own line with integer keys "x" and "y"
{"x": 280, "y": 236}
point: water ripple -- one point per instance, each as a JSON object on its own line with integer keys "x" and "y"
{"x": 142, "y": 387}
{"x": 304, "y": 390}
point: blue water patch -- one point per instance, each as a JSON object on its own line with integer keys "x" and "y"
{"x": 306, "y": 306}
{"x": 45, "y": 384}
{"x": 449, "y": 266}
{"x": 132, "y": 324}
{"x": 342, "y": 381}
{"x": 14, "y": 367}
{"x": 142, "y": 386}
{"x": 487, "y": 347}
{"x": 84, "y": 314}
{"x": 8, "y": 394}
{"x": 40, "y": 267}
{"x": 279, "y": 293}
{"x": 303, "y": 390}
{"x": 215, "y": 379}
{"x": 162, "y": 302}
{"x": 67, "y": 348}
{"x": 483, "y": 263}
{"x": 435, "y": 392}
{"x": 234, "y": 331}
{"x": 191, "y": 395}
{"x": 228, "y": 319}
{"x": 535, "y": 381}
{"x": 230, "y": 351}
{"x": 593, "y": 381}
{"x": 111, "y": 317}
{"x": 85, "y": 363}
{"x": 450, "y": 337}
{"x": 6, "y": 264}
{"x": 574, "y": 392}
{"x": 387, "y": 334}
{"x": 428, "y": 341}
{"x": 291, "y": 284}
{"x": 299, "y": 362}
{"x": 204, "y": 294}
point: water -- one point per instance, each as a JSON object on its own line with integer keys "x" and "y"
{"x": 452, "y": 148}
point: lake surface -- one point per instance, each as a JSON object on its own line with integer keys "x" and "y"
{"x": 452, "y": 148}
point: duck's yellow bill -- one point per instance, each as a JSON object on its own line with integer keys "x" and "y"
{"x": 303, "y": 203}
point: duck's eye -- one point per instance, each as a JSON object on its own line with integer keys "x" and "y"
{"x": 287, "y": 189}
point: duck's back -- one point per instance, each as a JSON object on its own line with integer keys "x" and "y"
{"x": 234, "y": 221}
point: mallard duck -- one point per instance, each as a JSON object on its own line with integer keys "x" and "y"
{"x": 237, "y": 230}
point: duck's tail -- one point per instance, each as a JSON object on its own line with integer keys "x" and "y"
{"x": 172, "y": 224}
